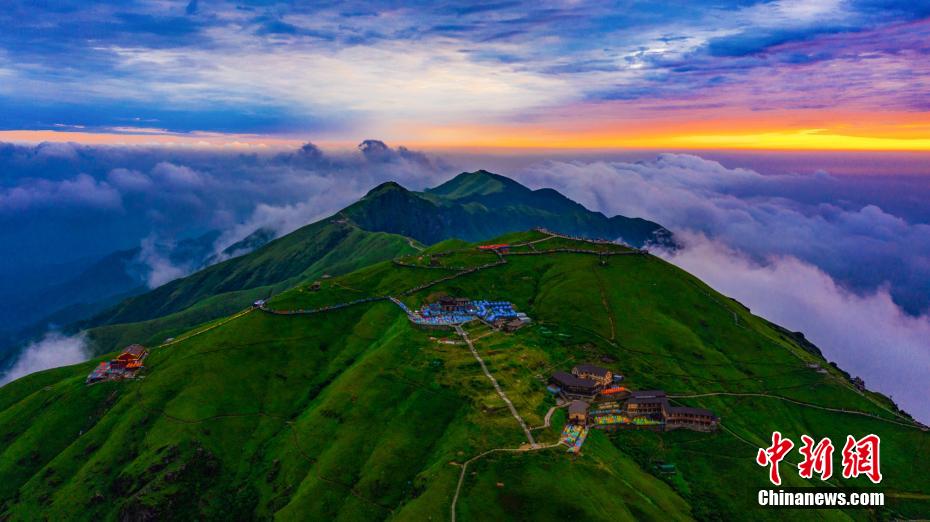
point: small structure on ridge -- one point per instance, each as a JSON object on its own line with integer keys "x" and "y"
{"x": 124, "y": 366}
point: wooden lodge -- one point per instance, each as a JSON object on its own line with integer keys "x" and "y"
{"x": 578, "y": 412}
{"x": 646, "y": 403}
{"x": 654, "y": 404}
{"x": 454, "y": 304}
{"x": 511, "y": 325}
{"x": 602, "y": 376}
{"x": 698, "y": 419}
{"x": 572, "y": 385}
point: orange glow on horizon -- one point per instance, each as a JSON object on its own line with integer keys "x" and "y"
{"x": 804, "y": 139}
{"x": 641, "y": 126}
{"x": 911, "y": 132}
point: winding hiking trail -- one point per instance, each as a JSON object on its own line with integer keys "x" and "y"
{"x": 532, "y": 445}
{"x": 458, "y": 488}
{"x": 606, "y": 303}
{"x": 503, "y": 396}
{"x": 795, "y": 401}
{"x": 547, "y": 420}
{"x": 612, "y": 340}
{"x": 207, "y": 329}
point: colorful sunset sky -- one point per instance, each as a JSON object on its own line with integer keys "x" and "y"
{"x": 723, "y": 74}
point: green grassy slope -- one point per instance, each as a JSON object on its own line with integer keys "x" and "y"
{"x": 322, "y": 248}
{"x": 356, "y": 415}
{"x": 474, "y": 206}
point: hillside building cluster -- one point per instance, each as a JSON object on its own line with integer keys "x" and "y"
{"x": 124, "y": 366}
{"x": 451, "y": 311}
{"x": 598, "y": 401}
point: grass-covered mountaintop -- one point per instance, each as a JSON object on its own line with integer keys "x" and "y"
{"x": 468, "y": 185}
{"x": 353, "y": 414}
{"x": 480, "y": 205}
{"x": 472, "y": 206}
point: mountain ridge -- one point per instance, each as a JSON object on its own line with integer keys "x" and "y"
{"x": 351, "y": 412}
{"x": 478, "y": 205}
{"x": 388, "y": 208}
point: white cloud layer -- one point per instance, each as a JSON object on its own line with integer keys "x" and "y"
{"x": 863, "y": 247}
{"x": 154, "y": 256}
{"x": 838, "y": 274}
{"x": 51, "y": 351}
{"x": 867, "y": 335}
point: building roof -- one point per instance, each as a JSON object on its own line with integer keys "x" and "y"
{"x": 647, "y": 394}
{"x": 577, "y": 407}
{"x": 646, "y": 400}
{"x": 684, "y": 410}
{"x": 567, "y": 379}
{"x": 592, "y": 369}
{"x": 135, "y": 350}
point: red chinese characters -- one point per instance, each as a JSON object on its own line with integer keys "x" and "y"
{"x": 817, "y": 459}
{"x": 774, "y": 454}
{"x": 861, "y": 457}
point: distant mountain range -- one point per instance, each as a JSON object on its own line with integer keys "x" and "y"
{"x": 471, "y": 206}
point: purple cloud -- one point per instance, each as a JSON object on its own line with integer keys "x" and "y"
{"x": 79, "y": 191}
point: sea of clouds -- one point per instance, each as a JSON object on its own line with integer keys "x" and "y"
{"x": 853, "y": 277}
{"x": 63, "y": 205}
{"x": 63, "y": 200}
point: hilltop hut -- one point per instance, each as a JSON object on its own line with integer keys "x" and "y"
{"x": 578, "y": 412}
{"x": 512, "y": 325}
{"x": 574, "y": 385}
{"x": 602, "y": 376}
{"x": 131, "y": 357}
{"x": 454, "y": 304}
{"x": 697, "y": 419}
{"x": 646, "y": 403}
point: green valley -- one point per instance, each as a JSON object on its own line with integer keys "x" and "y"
{"x": 354, "y": 413}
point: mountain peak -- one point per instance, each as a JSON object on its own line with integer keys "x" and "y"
{"x": 477, "y": 183}
{"x": 386, "y": 187}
